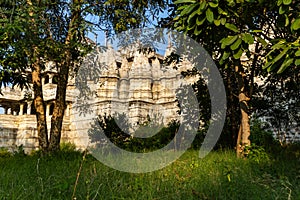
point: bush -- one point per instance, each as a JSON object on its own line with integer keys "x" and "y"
{"x": 20, "y": 151}
{"x": 67, "y": 147}
{"x": 263, "y": 138}
{"x": 112, "y": 131}
{"x": 292, "y": 150}
{"x": 199, "y": 138}
{"x": 5, "y": 153}
{"x": 257, "y": 153}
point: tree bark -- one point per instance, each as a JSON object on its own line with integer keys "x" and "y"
{"x": 39, "y": 107}
{"x": 38, "y": 88}
{"x": 232, "y": 111}
{"x": 63, "y": 75}
{"x": 59, "y": 109}
{"x": 244, "y": 130}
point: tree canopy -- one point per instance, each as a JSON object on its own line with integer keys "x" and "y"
{"x": 244, "y": 37}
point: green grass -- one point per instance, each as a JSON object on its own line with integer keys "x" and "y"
{"x": 220, "y": 175}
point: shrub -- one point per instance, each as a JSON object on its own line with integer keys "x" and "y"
{"x": 67, "y": 147}
{"x": 257, "y": 153}
{"x": 20, "y": 151}
{"x": 292, "y": 150}
{"x": 5, "y": 153}
{"x": 108, "y": 126}
{"x": 263, "y": 138}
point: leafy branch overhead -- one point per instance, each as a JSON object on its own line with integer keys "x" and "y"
{"x": 237, "y": 24}
{"x": 285, "y": 49}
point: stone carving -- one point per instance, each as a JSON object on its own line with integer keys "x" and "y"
{"x": 137, "y": 85}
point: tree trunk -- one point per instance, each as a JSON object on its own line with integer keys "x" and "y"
{"x": 39, "y": 107}
{"x": 63, "y": 75}
{"x": 232, "y": 111}
{"x": 59, "y": 109}
{"x": 39, "y": 103}
{"x": 244, "y": 130}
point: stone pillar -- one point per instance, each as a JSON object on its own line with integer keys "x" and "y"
{"x": 50, "y": 78}
{"x": 48, "y": 109}
{"x": 29, "y": 108}
{"x": 68, "y": 110}
{"x": 9, "y": 111}
{"x": 43, "y": 80}
{"x": 21, "y": 112}
{"x": 14, "y": 112}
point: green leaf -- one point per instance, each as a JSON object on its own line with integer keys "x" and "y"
{"x": 287, "y": 2}
{"x": 274, "y": 66}
{"x": 191, "y": 26}
{"x": 297, "y": 62}
{"x": 236, "y": 44}
{"x": 225, "y": 55}
{"x": 256, "y": 31}
{"x": 221, "y": 62}
{"x": 232, "y": 27}
{"x": 223, "y": 21}
{"x": 238, "y": 54}
{"x": 197, "y": 30}
{"x": 226, "y": 66}
{"x": 278, "y": 57}
{"x": 283, "y": 9}
{"x": 209, "y": 15}
{"x": 296, "y": 24}
{"x": 202, "y": 5}
{"x": 188, "y": 9}
{"x": 287, "y": 21}
{"x": 297, "y": 53}
{"x": 287, "y": 62}
{"x": 193, "y": 14}
{"x": 217, "y": 22}
{"x": 199, "y": 20}
{"x": 279, "y": 44}
{"x": 181, "y": 7}
{"x": 262, "y": 41}
{"x": 222, "y": 12}
{"x": 267, "y": 65}
{"x": 248, "y": 38}
{"x": 213, "y": 5}
{"x": 279, "y": 2}
{"x": 184, "y": 1}
{"x": 228, "y": 41}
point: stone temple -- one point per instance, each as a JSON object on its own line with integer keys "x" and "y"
{"x": 137, "y": 84}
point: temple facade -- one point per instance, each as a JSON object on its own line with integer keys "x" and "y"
{"x": 136, "y": 84}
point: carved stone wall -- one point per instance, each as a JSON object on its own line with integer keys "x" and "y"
{"x": 139, "y": 86}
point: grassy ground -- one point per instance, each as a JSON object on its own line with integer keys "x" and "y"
{"x": 220, "y": 175}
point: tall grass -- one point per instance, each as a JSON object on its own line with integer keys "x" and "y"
{"x": 220, "y": 175}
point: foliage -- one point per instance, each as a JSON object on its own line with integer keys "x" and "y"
{"x": 237, "y": 24}
{"x": 227, "y": 27}
{"x": 278, "y": 104}
{"x": 4, "y": 152}
{"x": 116, "y": 129}
{"x": 261, "y": 137}
{"x": 256, "y": 153}
{"x": 225, "y": 30}
{"x": 244, "y": 37}
{"x": 285, "y": 47}
{"x": 67, "y": 147}
{"x": 292, "y": 150}
{"x": 19, "y": 152}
